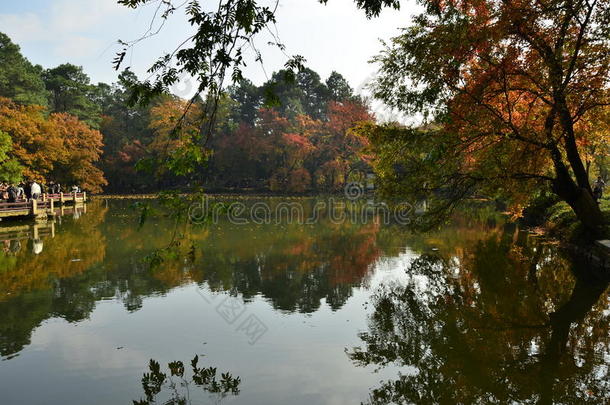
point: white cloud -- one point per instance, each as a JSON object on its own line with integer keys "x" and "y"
{"x": 23, "y": 27}
{"x": 69, "y": 16}
{"x": 78, "y": 47}
{"x": 70, "y": 28}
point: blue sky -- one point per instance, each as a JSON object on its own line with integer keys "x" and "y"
{"x": 84, "y": 32}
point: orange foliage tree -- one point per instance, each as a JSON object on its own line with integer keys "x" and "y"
{"x": 507, "y": 82}
{"x": 341, "y": 148}
{"x": 55, "y": 147}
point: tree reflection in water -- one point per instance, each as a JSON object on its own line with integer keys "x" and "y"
{"x": 54, "y": 282}
{"x": 102, "y": 255}
{"x": 501, "y": 322}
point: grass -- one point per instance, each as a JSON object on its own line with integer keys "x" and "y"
{"x": 564, "y": 224}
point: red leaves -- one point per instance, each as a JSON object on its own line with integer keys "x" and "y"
{"x": 295, "y": 154}
{"x": 298, "y": 141}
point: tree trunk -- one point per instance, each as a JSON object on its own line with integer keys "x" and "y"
{"x": 588, "y": 212}
{"x": 582, "y": 203}
{"x": 578, "y": 197}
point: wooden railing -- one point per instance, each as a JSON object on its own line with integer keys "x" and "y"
{"x": 42, "y": 205}
{"x": 15, "y": 206}
{"x": 65, "y": 196}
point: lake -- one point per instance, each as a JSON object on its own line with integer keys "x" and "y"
{"x": 327, "y": 311}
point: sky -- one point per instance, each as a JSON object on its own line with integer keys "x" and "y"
{"x": 336, "y": 36}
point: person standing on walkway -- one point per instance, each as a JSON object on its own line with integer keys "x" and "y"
{"x": 28, "y": 189}
{"x": 20, "y": 191}
{"x": 12, "y": 193}
{"x": 598, "y": 189}
{"x": 36, "y": 190}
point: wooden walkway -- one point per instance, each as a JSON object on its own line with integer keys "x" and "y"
{"x": 45, "y": 206}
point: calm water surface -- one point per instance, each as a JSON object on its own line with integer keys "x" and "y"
{"x": 328, "y": 313}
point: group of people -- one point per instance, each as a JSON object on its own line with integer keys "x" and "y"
{"x": 30, "y": 190}
{"x": 22, "y": 191}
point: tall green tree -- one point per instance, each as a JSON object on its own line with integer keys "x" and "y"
{"x": 71, "y": 92}
{"x": 338, "y": 87}
{"x": 249, "y": 98}
{"x": 19, "y": 79}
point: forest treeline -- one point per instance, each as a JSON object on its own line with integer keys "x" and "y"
{"x": 285, "y": 135}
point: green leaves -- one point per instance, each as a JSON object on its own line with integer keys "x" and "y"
{"x": 131, "y": 3}
{"x": 10, "y": 169}
{"x": 176, "y": 368}
{"x": 155, "y": 381}
{"x": 152, "y": 382}
{"x": 71, "y": 92}
{"x": 19, "y": 79}
{"x": 215, "y": 47}
{"x": 211, "y": 55}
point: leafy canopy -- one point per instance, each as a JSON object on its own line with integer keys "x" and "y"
{"x": 56, "y": 146}
{"x": 19, "y": 79}
{"x": 506, "y": 84}
{"x": 71, "y": 92}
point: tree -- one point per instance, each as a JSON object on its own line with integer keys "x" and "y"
{"x": 346, "y": 144}
{"x": 36, "y": 144}
{"x": 10, "y": 169}
{"x": 338, "y": 88}
{"x": 83, "y": 148}
{"x": 53, "y": 147}
{"x": 71, "y": 92}
{"x": 506, "y": 83}
{"x": 294, "y": 146}
{"x": 19, "y": 79}
{"x": 248, "y": 98}
{"x": 126, "y": 132}
{"x": 177, "y": 143}
{"x": 313, "y": 92}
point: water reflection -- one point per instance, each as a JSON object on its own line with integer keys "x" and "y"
{"x": 487, "y": 314}
{"x": 500, "y": 320}
{"x": 41, "y": 275}
{"x": 103, "y": 255}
